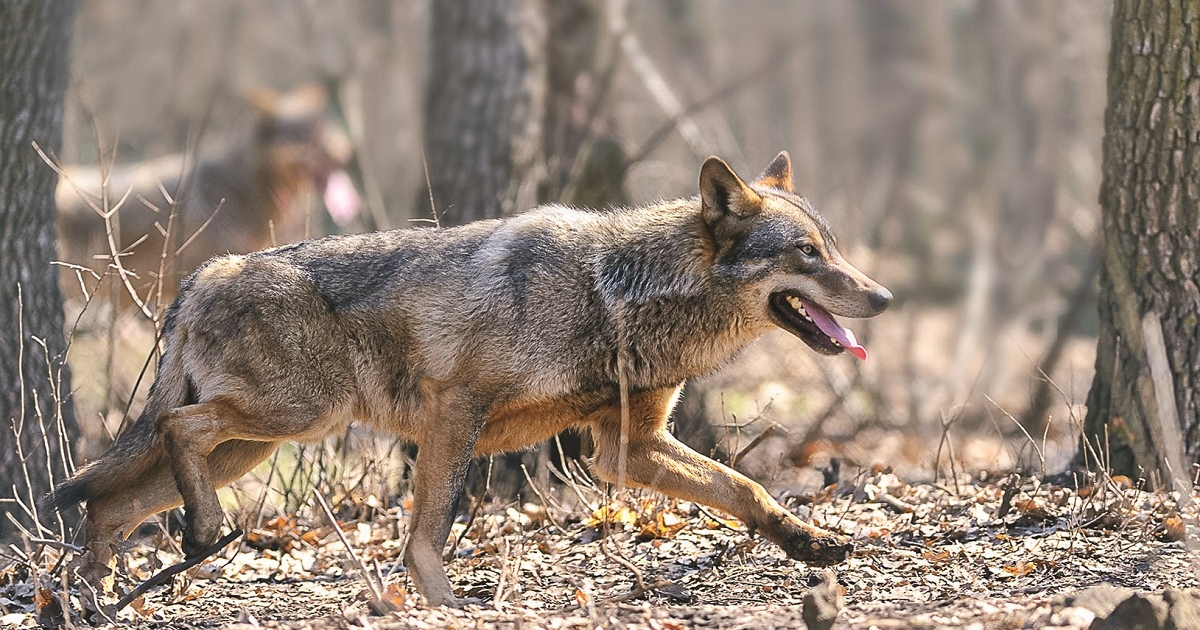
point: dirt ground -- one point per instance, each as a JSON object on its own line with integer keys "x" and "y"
{"x": 1008, "y": 552}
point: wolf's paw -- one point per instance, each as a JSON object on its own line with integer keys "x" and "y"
{"x": 92, "y": 570}
{"x": 198, "y": 543}
{"x": 450, "y": 601}
{"x": 201, "y": 527}
{"x": 810, "y": 544}
{"x": 821, "y": 551}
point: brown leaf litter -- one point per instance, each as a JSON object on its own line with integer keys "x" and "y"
{"x": 1001, "y": 553}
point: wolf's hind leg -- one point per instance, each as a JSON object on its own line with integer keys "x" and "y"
{"x": 204, "y": 452}
{"x": 656, "y": 460}
{"x": 112, "y": 516}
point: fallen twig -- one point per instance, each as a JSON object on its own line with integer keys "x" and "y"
{"x": 171, "y": 571}
{"x": 636, "y": 592}
{"x": 378, "y": 602}
{"x": 57, "y": 543}
{"x": 755, "y": 443}
{"x": 897, "y": 504}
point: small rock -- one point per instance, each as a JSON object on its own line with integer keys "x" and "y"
{"x": 1185, "y": 609}
{"x": 1100, "y": 599}
{"x": 1138, "y": 612}
{"x": 1073, "y": 617}
{"x": 246, "y": 618}
{"x": 822, "y": 603}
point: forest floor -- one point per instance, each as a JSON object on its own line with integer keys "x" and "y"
{"x": 1009, "y": 552}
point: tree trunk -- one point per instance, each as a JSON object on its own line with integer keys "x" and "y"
{"x": 483, "y": 107}
{"x": 34, "y": 40}
{"x": 1144, "y": 402}
{"x": 585, "y": 163}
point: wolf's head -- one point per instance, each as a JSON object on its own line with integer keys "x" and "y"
{"x": 784, "y": 254}
{"x": 301, "y": 151}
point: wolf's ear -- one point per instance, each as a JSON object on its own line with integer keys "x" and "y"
{"x": 304, "y": 101}
{"x": 778, "y": 174}
{"x": 723, "y": 195}
{"x": 265, "y": 100}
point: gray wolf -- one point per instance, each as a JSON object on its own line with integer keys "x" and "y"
{"x": 238, "y": 199}
{"x": 478, "y": 339}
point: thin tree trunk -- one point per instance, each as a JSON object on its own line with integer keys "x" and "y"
{"x": 1144, "y": 402}
{"x": 34, "y": 380}
{"x": 483, "y": 107}
{"x": 585, "y": 163}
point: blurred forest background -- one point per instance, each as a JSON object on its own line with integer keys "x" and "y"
{"x": 954, "y": 145}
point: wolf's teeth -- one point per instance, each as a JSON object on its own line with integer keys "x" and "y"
{"x": 835, "y": 342}
{"x": 799, "y": 307}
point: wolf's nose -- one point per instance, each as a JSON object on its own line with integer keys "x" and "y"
{"x": 880, "y": 299}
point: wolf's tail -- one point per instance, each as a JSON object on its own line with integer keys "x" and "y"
{"x": 138, "y": 449}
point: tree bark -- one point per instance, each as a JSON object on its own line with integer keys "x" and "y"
{"x": 483, "y": 107}
{"x": 1144, "y": 401}
{"x": 585, "y": 163}
{"x": 34, "y": 380}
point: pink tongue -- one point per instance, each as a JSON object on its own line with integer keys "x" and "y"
{"x": 830, "y": 327}
{"x": 340, "y": 197}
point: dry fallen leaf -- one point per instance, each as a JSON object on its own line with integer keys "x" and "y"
{"x": 612, "y": 514}
{"x": 1174, "y": 528}
{"x": 1125, "y": 482}
{"x": 45, "y": 597}
{"x": 1024, "y": 568}
{"x": 940, "y": 556}
{"x": 49, "y": 609}
{"x": 139, "y": 605}
{"x": 1034, "y": 509}
{"x": 393, "y": 598}
{"x": 194, "y": 594}
{"x": 661, "y": 525}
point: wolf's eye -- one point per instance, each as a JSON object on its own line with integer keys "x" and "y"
{"x": 807, "y": 249}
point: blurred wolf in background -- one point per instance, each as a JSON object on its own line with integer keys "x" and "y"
{"x": 244, "y": 198}
{"x": 478, "y": 339}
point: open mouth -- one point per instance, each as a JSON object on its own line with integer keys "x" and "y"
{"x": 814, "y": 325}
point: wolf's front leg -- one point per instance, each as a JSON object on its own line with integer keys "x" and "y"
{"x": 443, "y": 455}
{"x": 656, "y": 460}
